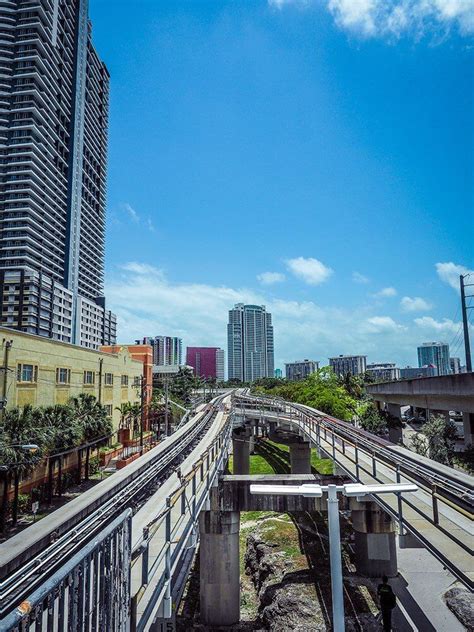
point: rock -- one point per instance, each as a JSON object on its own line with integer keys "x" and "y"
{"x": 291, "y": 606}
{"x": 461, "y": 602}
{"x": 263, "y": 563}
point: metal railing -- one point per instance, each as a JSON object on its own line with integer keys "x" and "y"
{"x": 176, "y": 525}
{"x": 90, "y": 591}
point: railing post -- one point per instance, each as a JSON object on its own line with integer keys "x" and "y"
{"x": 356, "y": 454}
{"x": 145, "y": 557}
{"x": 399, "y": 503}
{"x": 343, "y": 445}
{"x": 333, "y": 446}
{"x": 374, "y": 466}
{"x": 434, "y": 501}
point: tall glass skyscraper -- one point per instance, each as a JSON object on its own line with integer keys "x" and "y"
{"x": 54, "y": 98}
{"x": 436, "y": 354}
{"x": 250, "y": 343}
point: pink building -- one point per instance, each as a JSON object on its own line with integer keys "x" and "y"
{"x": 206, "y": 361}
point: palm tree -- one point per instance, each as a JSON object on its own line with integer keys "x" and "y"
{"x": 18, "y": 430}
{"x": 125, "y": 410}
{"x": 95, "y": 423}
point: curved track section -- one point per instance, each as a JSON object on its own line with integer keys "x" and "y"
{"x": 28, "y": 558}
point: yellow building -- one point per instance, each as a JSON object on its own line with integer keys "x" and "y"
{"x": 44, "y": 372}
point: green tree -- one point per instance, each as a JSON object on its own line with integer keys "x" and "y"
{"x": 371, "y": 420}
{"x": 438, "y": 441}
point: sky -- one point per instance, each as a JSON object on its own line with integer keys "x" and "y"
{"x": 313, "y": 156}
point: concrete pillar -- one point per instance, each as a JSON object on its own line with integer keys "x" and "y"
{"x": 241, "y": 450}
{"x": 219, "y": 567}
{"x": 300, "y": 458}
{"x": 394, "y": 411}
{"x": 375, "y": 546}
{"x": 468, "y": 424}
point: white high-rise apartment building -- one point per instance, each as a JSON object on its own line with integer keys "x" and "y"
{"x": 344, "y": 364}
{"x": 250, "y": 349}
{"x": 167, "y": 350}
{"x": 54, "y": 99}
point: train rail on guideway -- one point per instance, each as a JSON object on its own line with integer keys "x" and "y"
{"x": 117, "y": 556}
{"x": 440, "y": 514}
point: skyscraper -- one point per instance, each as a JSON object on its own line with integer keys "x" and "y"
{"x": 167, "y": 350}
{"x": 344, "y": 364}
{"x": 435, "y": 353}
{"x": 250, "y": 349}
{"x": 54, "y": 97}
{"x": 206, "y": 361}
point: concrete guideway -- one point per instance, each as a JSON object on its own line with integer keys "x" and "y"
{"x": 443, "y": 527}
{"x": 442, "y": 393}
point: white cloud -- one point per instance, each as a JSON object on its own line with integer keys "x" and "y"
{"x": 311, "y": 271}
{"x": 396, "y": 18}
{"x": 415, "y": 304}
{"x": 382, "y": 323}
{"x": 137, "y": 218}
{"x": 148, "y": 303}
{"x": 386, "y": 292}
{"x": 446, "y": 325}
{"x": 357, "y": 277}
{"x": 269, "y": 278}
{"x": 450, "y": 272}
{"x": 131, "y": 212}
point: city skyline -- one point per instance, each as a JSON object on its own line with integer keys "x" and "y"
{"x": 388, "y": 184}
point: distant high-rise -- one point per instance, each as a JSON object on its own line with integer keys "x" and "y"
{"x": 167, "y": 350}
{"x": 410, "y": 373}
{"x": 296, "y": 371}
{"x": 250, "y": 351}
{"x": 54, "y": 100}
{"x": 206, "y": 361}
{"x": 344, "y": 364}
{"x": 436, "y": 353}
{"x": 278, "y": 374}
{"x": 455, "y": 365}
{"x": 383, "y": 371}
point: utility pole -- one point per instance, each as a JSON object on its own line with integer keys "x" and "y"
{"x": 142, "y": 410}
{"x": 8, "y": 345}
{"x": 167, "y": 429}
{"x": 467, "y": 345}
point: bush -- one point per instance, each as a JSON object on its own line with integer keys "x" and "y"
{"x": 93, "y": 465}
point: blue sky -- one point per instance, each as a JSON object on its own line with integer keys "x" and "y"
{"x": 314, "y": 156}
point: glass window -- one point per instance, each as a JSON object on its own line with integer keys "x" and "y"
{"x": 27, "y": 373}
{"x": 108, "y": 410}
{"x": 109, "y": 379}
{"x": 124, "y": 380}
{"x": 89, "y": 377}
{"x": 63, "y": 376}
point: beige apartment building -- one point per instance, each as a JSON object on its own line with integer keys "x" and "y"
{"x": 44, "y": 372}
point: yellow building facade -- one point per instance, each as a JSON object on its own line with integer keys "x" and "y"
{"x": 43, "y": 372}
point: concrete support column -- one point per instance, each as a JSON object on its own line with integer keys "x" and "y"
{"x": 375, "y": 546}
{"x": 300, "y": 458}
{"x": 394, "y": 410}
{"x": 219, "y": 567}
{"x": 468, "y": 424}
{"x": 395, "y": 434}
{"x": 241, "y": 450}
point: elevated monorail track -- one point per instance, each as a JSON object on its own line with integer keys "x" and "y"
{"x": 30, "y": 558}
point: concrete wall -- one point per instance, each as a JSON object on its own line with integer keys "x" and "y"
{"x": 49, "y": 355}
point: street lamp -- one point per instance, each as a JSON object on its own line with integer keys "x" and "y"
{"x": 311, "y": 490}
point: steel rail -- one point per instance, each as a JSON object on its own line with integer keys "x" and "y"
{"x": 361, "y": 437}
{"x": 47, "y": 560}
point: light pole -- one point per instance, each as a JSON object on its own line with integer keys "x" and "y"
{"x": 357, "y": 490}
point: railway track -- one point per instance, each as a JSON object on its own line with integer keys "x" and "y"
{"x": 22, "y": 582}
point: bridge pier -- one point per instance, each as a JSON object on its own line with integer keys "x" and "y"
{"x": 241, "y": 442}
{"x": 375, "y": 544}
{"x": 300, "y": 458}
{"x": 219, "y": 572}
{"x": 468, "y": 424}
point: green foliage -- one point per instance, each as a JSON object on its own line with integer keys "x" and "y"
{"x": 371, "y": 420}
{"x": 438, "y": 440}
{"x": 322, "y": 390}
{"x": 182, "y": 385}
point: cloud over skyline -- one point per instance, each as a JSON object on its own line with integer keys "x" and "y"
{"x": 416, "y": 304}
{"x": 269, "y": 278}
{"x": 309, "y": 270}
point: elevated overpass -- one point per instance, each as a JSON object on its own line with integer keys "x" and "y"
{"x": 442, "y": 393}
{"x": 117, "y": 557}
